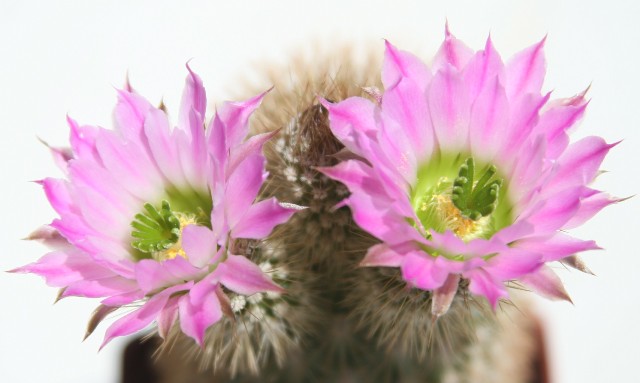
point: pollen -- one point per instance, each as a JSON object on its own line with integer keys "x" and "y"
{"x": 176, "y": 249}
{"x": 463, "y": 227}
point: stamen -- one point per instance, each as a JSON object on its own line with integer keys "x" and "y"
{"x": 155, "y": 230}
{"x": 475, "y": 200}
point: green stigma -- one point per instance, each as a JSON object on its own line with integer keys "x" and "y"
{"x": 475, "y": 199}
{"x": 155, "y": 230}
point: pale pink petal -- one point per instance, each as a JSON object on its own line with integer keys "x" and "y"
{"x": 524, "y": 114}
{"x": 251, "y": 146}
{"x": 62, "y": 268}
{"x": 235, "y": 117}
{"x": 60, "y": 196}
{"x": 359, "y": 177}
{"x": 481, "y": 283}
{"x": 193, "y": 151}
{"x": 399, "y": 64}
{"x": 129, "y": 165}
{"x": 168, "y": 317}
{"x": 245, "y": 277}
{"x": 555, "y": 122}
{"x": 483, "y": 67}
{"x": 450, "y": 108}
{"x": 382, "y": 255}
{"x": 142, "y": 317}
{"x": 556, "y": 246}
{"x": 242, "y": 187}
{"x": 199, "y": 244}
{"x": 579, "y": 164}
{"x": 101, "y": 212}
{"x": 109, "y": 253}
{"x": 352, "y": 122}
{"x": 407, "y": 123}
{"x": 517, "y": 230}
{"x": 98, "y": 288}
{"x": 61, "y": 156}
{"x": 73, "y": 228}
{"x": 450, "y": 244}
{"x": 443, "y": 296}
{"x": 528, "y": 172}
{"x": 381, "y": 219}
{"x": 452, "y": 52}
{"x": 129, "y": 115}
{"x": 525, "y": 71}
{"x": 89, "y": 175}
{"x": 218, "y": 148}
{"x": 199, "y": 310}
{"x": 546, "y": 283}
{"x": 152, "y": 275}
{"x": 488, "y": 120}
{"x": 163, "y": 147}
{"x": 589, "y": 207}
{"x": 556, "y": 211}
{"x": 420, "y": 270}
{"x": 513, "y": 263}
{"x": 219, "y": 224}
{"x": 82, "y": 139}
{"x": 194, "y": 98}
{"x": 261, "y": 218}
{"x": 123, "y": 299}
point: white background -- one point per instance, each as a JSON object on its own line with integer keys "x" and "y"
{"x": 59, "y": 57}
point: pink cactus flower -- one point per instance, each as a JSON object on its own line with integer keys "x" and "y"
{"x": 465, "y": 170}
{"x": 149, "y": 214}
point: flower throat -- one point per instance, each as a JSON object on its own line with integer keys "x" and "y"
{"x": 464, "y": 205}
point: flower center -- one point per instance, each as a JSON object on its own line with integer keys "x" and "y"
{"x": 462, "y": 226}
{"x": 463, "y": 202}
{"x": 475, "y": 199}
{"x": 157, "y": 233}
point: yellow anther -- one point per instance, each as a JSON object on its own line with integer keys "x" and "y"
{"x": 176, "y": 249}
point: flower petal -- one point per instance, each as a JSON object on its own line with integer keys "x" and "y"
{"x": 525, "y": 71}
{"x": 399, "y": 64}
{"x": 245, "y": 277}
{"x": 242, "y": 188}
{"x": 142, "y": 317}
{"x": 162, "y": 144}
{"x": 557, "y": 246}
{"x": 235, "y": 117}
{"x": 483, "y": 67}
{"x": 352, "y": 122}
{"x": 579, "y": 164}
{"x": 488, "y": 120}
{"x": 129, "y": 115}
{"x": 420, "y": 270}
{"x": 450, "y": 107}
{"x": 261, "y": 218}
{"x": 168, "y": 317}
{"x": 102, "y": 287}
{"x": 546, "y": 283}
{"x": 199, "y": 309}
{"x": 62, "y": 268}
{"x": 452, "y": 52}
{"x": 481, "y": 283}
{"x": 152, "y": 275}
{"x": 443, "y": 296}
{"x": 194, "y": 98}
{"x": 199, "y": 244}
{"x": 382, "y": 255}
